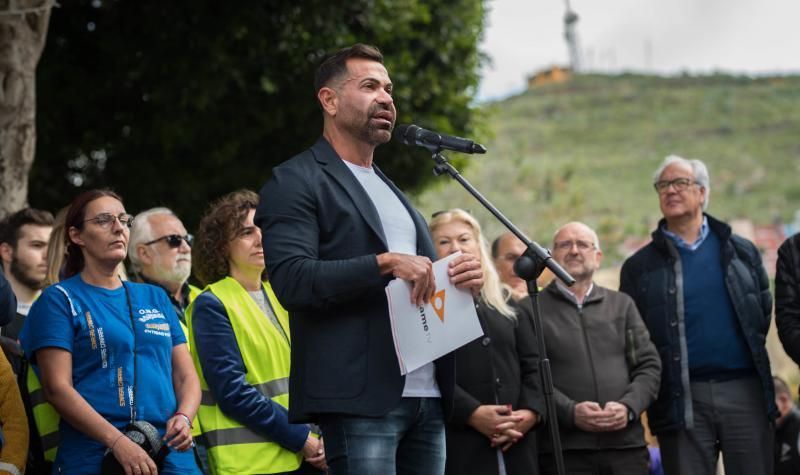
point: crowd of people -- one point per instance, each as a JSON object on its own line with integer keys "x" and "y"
{"x": 280, "y": 359}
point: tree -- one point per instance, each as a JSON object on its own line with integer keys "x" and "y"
{"x": 178, "y": 102}
{"x": 23, "y": 29}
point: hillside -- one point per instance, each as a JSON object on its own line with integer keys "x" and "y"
{"x": 586, "y": 150}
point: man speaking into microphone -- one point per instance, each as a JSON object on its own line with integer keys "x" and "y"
{"x": 336, "y": 230}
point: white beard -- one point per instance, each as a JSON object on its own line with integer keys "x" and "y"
{"x": 177, "y": 274}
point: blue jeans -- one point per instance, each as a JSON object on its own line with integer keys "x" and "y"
{"x": 409, "y": 439}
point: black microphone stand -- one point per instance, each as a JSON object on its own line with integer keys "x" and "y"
{"x": 529, "y": 266}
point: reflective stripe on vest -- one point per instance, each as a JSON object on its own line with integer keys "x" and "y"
{"x": 265, "y": 352}
{"x": 44, "y": 416}
{"x": 236, "y": 435}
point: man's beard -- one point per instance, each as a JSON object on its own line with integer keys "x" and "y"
{"x": 23, "y": 273}
{"x": 178, "y": 274}
{"x": 370, "y": 133}
{"x": 584, "y": 272}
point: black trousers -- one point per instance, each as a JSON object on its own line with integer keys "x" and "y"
{"x": 599, "y": 462}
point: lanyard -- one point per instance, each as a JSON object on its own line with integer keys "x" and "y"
{"x": 133, "y": 331}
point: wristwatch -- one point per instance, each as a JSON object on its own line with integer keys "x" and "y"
{"x": 631, "y": 415}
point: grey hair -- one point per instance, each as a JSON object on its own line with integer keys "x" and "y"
{"x": 699, "y": 170}
{"x": 142, "y": 232}
{"x": 595, "y": 239}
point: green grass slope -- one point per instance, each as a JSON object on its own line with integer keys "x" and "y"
{"x": 586, "y": 150}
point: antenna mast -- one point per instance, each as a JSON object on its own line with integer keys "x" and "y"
{"x": 571, "y": 36}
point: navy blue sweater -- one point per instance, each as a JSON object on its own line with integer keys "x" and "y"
{"x": 714, "y": 338}
{"x": 224, "y": 372}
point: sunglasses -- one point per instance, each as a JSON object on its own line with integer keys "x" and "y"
{"x": 173, "y": 240}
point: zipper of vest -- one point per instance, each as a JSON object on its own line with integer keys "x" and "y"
{"x": 591, "y": 361}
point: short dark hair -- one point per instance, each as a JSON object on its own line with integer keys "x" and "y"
{"x": 9, "y": 228}
{"x": 76, "y": 217}
{"x": 336, "y": 65}
{"x": 220, "y": 225}
{"x": 496, "y": 246}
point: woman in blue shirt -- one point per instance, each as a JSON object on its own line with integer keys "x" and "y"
{"x": 109, "y": 352}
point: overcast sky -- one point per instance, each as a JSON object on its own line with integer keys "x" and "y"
{"x": 656, "y": 36}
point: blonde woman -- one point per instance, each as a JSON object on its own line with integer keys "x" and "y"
{"x": 497, "y": 396}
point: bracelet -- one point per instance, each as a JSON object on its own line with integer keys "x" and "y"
{"x": 186, "y": 418}
{"x": 115, "y": 441}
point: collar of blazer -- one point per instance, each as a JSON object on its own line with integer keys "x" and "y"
{"x": 336, "y": 168}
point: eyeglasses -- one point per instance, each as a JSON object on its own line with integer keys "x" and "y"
{"x": 583, "y": 246}
{"x": 678, "y": 184}
{"x": 106, "y": 220}
{"x": 173, "y": 240}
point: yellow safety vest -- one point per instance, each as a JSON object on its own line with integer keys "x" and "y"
{"x": 232, "y": 447}
{"x": 193, "y": 293}
{"x": 45, "y": 415}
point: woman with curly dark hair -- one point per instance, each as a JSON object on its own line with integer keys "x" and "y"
{"x": 240, "y": 344}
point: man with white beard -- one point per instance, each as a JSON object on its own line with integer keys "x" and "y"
{"x": 160, "y": 251}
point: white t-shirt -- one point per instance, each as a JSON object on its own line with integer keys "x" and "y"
{"x": 401, "y": 237}
{"x": 23, "y": 308}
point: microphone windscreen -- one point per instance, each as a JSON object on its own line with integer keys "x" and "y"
{"x": 404, "y": 133}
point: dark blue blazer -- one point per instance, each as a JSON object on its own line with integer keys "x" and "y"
{"x": 321, "y": 236}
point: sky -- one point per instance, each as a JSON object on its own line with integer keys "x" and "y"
{"x": 755, "y": 37}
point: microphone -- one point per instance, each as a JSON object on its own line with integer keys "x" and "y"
{"x": 413, "y": 135}
{"x": 533, "y": 261}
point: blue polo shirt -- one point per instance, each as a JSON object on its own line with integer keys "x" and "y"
{"x": 94, "y": 324}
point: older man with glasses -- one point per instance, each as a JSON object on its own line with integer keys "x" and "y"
{"x": 161, "y": 254}
{"x": 605, "y": 368}
{"x": 704, "y": 296}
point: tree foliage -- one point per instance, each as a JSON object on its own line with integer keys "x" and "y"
{"x": 175, "y": 103}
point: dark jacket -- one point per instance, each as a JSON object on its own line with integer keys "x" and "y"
{"x": 787, "y": 296}
{"x": 502, "y": 367}
{"x": 9, "y": 340}
{"x": 321, "y": 236}
{"x": 8, "y": 302}
{"x": 787, "y": 444}
{"x": 653, "y": 278}
{"x": 600, "y": 352}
